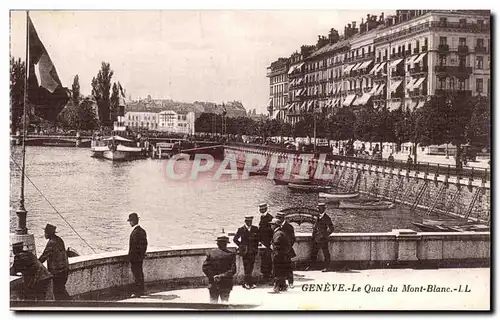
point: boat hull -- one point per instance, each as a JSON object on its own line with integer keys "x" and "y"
{"x": 308, "y": 187}
{"x": 338, "y": 196}
{"x": 366, "y": 205}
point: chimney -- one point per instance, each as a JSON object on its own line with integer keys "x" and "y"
{"x": 382, "y": 17}
{"x": 354, "y": 24}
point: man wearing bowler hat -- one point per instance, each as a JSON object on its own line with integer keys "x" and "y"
{"x": 247, "y": 240}
{"x": 265, "y": 237}
{"x": 37, "y": 280}
{"x": 57, "y": 262}
{"x": 321, "y": 231}
{"x": 220, "y": 268}
{"x": 136, "y": 253}
{"x": 290, "y": 233}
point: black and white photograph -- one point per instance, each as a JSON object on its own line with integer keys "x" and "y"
{"x": 256, "y": 160}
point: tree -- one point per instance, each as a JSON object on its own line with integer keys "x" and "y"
{"x": 101, "y": 86}
{"x": 114, "y": 102}
{"x": 17, "y": 71}
{"x": 80, "y": 117}
{"x": 344, "y": 121}
{"x": 479, "y": 131}
{"x": 447, "y": 119}
{"x": 75, "y": 91}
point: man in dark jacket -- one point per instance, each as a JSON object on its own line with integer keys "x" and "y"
{"x": 321, "y": 231}
{"x": 137, "y": 252}
{"x": 290, "y": 233}
{"x": 220, "y": 267}
{"x": 265, "y": 237}
{"x": 247, "y": 240}
{"x": 281, "y": 256}
{"x": 57, "y": 262}
{"x": 37, "y": 280}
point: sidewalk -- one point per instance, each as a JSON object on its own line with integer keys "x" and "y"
{"x": 435, "y": 289}
{"x": 422, "y": 157}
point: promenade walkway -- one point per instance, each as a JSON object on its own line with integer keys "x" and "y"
{"x": 469, "y": 289}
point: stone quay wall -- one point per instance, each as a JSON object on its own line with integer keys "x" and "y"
{"x": 470, "y": 198}
{"x": 107, "y": 276}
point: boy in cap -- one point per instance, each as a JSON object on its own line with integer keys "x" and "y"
{"x": 37, "y": 280}
{"x": 321, "y": 231}
{"x": 57, "y": 262}
{"x": 137, "y": 252}
{"x": 265, "y": 236}
{"x": 290, "y": 233}
{"x": 247, "y": 240}
{"x": 220, "y": 267}
{"x": 281, "y": 256}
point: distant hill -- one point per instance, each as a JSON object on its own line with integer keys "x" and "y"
{"x": 233, "y": 108}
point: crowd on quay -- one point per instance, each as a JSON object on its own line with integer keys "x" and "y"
{"x": 275, "y": 234}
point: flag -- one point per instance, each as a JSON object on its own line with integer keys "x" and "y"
{"x": 45, "y": 91}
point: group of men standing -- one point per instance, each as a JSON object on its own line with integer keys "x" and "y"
{"x": 277, "y": 236}
{"x": 40, "y": 283}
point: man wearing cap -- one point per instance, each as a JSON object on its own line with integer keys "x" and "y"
{"x": 265, "y": 237}
{"x": 290, "y": 233}
{"x": 57, "y": 262}
{"x": 137, "y": 252}
{"x": 220, "y": 267}
{"x": 247, "y": 240}
{"x": 37, "y": 280}
{"x": 321, "y": 231}
{"x": 281, "y": 256}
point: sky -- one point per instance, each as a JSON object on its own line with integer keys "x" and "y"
{"x": 183, "y": 55}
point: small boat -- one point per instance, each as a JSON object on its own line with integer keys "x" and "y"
{"x": 366, "y": 204}
{"x": 72, "y": 252}
{"x": 165, "y": 150}
{"x": 308, "y": 187}
{"x": 429, "y": 225}
{"x": 337, "y": 196}
{"x": 294, "y": 181}
{"x": 116, "y": 148}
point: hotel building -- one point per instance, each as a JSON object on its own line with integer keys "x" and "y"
{"x": 395, "y": 61}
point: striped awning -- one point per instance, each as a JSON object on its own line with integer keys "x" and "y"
{"x": 420, "y": 104}
{"x": 291, "y": 106}
{"x": 295, "y": 67}
{"x": 395, "y": 85}
{"x": 292, "y": 82}
{"x": 419, "y": 58}
{"x": 348, "y": 100}
{"x": 356, "y": 66}
{"x": 380, "y": 89}
{"x": 365, "y": 64}
{"x": 348, "y": 68}
{"x": 303, "y": 105}
{"x": 393, "y": 105}
{"x": 361, "y": 101}
{"x": 299, "y": 81}
{"x": 419, "y": 82}
{"x": 270, "y": 103}
{"x": 374, "y": 89}
{"x": 380, "y": 67}
{"x": 395, "y": 63}
{"x": 409, "y": 86}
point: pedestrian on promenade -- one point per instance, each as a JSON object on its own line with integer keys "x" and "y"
{"x": 57, "y": 262}
{"x": 247, "y": 240}
{"x": 137, "y": 252}
{"x": 290, "y": 233}
{"x": 321, "y": 231}
{"x": 265, "y": 237}
{"x": 281, "y": 256}
{"x": 37, "y": 280}
{"x": 220, "y": 268}
{"x": 390, "y": 158}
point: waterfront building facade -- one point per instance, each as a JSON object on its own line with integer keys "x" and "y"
{"x": 142, "y": 120}
{"x": 395, "y": 61}
{"x": 176, "y": 122}
{"x": 278, "y": 86}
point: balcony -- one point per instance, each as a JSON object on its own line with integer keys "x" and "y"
{"x": 416, "y": 50}
{"x": 481, "y": 49}
{"x": 424, "y": 48}
{"x": 463, "y": 49}
{"x": 419, "y": 69}
{"x": 451, "y": 26}
{"x": 464, "y": 93}
{"x": 408, "y": 52}
{"x": 453, "y": 70}
{"x": 397, "y": 95}
{"x": 444, "y": 48}
{"x": 399, "y": 73}
{"x": 418, "y": 93}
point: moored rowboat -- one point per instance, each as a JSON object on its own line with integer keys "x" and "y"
{"x": 366, "y": 204}
{"x": 308, "y": 187}
{"x": 336, "y": 196}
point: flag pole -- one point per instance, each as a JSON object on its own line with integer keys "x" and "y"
{"x": 21, "y": 210}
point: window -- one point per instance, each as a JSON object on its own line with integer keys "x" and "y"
{"x": 461, "y": 62}
{"x": 488, "y": 88}
{"x": 480, "y": 42}
{"x": 462, "y": 22}
{"x": 443, "y": 40}
{"x": 480, "y": 22}
{"x": 425, "y": 42}
{"x": 442, "y": 21}
{"x": 462, "y": 42}
{"x": 479, "y": 85}
{"x": 441, "y": 83}
{"x": 417, "y": 44}
{"x": 409, "y": 47}
{"x": 479, "y": 62}
{"x": 442, "y": 60}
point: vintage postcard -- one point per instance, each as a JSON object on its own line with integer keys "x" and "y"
{"x": 250, "y": 160}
